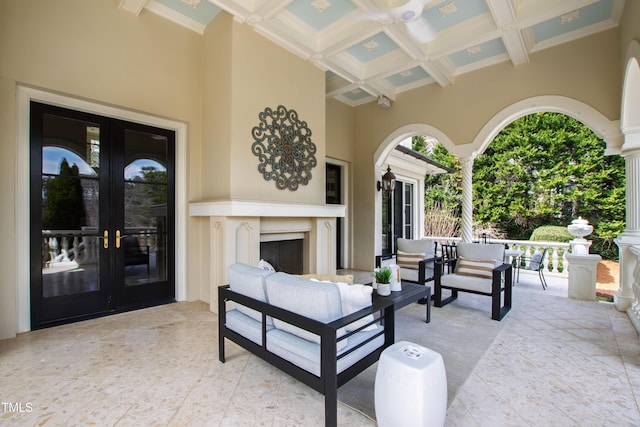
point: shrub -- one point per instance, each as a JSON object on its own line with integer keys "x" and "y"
{"x": 551, "y": 233}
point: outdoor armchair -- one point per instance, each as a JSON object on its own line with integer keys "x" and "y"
{"x": 478, "y": 269}
{"x": 535, "y": 263}
{"x": 415, "y": 258}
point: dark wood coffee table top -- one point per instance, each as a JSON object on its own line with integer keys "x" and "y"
{"x": 410, "y": 293}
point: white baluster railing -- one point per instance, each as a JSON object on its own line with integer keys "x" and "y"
{"x": 555, "y": 260}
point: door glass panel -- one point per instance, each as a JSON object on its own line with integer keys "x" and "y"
{"x": 70, "y": 201}
{"x": 145, "y": 208}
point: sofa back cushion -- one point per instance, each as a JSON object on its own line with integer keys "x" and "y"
{"x": 249, "y": 281}
{"x": 317, "y": 300}
{"x": 482, "y": 251}
{"x": 425, "y": 246}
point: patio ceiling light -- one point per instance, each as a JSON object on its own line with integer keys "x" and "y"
{"x": 388, "y": 181}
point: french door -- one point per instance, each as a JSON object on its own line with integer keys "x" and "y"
{"x": 102, "y": 215}
{"x": 397, "y": 216}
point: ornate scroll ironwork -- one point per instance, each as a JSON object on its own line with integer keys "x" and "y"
{"x": 284, "y": 148}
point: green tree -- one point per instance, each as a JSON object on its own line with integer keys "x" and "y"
{"x": 63, "y": 202}
{"x": 548, "y": 169}
{"x": 146, "y": 190}
{"x": 445, "y": 189}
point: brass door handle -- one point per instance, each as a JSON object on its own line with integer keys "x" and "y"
{"x": 105, "y": 239}
{"x": 118, "y": 236}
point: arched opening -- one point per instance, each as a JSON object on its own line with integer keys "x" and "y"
{"x": 401, "y": 213}
{"x": 630, "y": 114}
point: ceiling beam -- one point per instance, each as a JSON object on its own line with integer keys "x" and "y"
{"x": 133, "y": 6}
{"x": 505, "y": 18}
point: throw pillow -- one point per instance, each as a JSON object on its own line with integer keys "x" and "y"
{"x": 475, "y": 268}
{"x": 409, "y": 260}
{"x": 355, "y": 298}
{"x": 265, "y": 265}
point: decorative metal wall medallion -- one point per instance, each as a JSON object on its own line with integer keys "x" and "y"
{"x": 284, "y": 148}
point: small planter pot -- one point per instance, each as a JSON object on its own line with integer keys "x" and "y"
{"x": 383, "y": 289}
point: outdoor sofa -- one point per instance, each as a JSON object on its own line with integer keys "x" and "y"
{"x": 301, "y": 327}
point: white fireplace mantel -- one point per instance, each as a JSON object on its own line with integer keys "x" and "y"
{"x": 236, "y": 228}
{"x": 245, "y": 208}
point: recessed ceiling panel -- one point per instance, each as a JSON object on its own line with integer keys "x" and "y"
{"x": 362, "y": 43}
{"x": 572, "y": 21}
{"x": 449, "y": 13}
{"x": 200, "y": 11}
{"x": 478, "y": 53}
{"x": 372, "y": 48}
{"x": 356, "y": 94}
{"x": 408, "y": 76}
{"x": 319, "y": 14}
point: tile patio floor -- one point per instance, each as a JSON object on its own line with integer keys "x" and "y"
{"x": 556, "y": 362}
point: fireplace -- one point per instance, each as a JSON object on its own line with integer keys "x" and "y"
{"x": 284, "y": 255}
{"x": 237, "y": 229}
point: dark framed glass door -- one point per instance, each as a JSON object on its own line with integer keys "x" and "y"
{"x": 102, "y": 199}
{"x": 334, "y": 197}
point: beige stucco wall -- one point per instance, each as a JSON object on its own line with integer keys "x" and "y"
{"x": 141, "y": 63}
{"x": 265, "y": 75}
{"x": 340, "y": 130}
{"x": 587, "y": 70}
{"x": 8, "y": 260}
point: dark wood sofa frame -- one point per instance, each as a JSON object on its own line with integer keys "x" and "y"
{"x": 329, "y": 380}
{"x": 497, "y": 287}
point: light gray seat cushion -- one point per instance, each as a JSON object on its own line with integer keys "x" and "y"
{"x": 306, "y": 354}
{"x": 245, "y": 326}
{"x": 470, "y": 283}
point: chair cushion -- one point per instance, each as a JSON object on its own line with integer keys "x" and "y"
{"x": 245, "y": 326}
{"x": 426, "y": 246}
{"x": 470, "y": 283}
{"x": 249, "y": 281}
{"x": 306, "y": 354}
{"x": 476, "y": 268}
{"x": 411, "y": 275}
{"x": 482, "y": 251}
{"x": 408, "y": 259}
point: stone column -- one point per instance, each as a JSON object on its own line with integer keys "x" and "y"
{"x": 624, "y": 297}
{"x": 467, "y": 199}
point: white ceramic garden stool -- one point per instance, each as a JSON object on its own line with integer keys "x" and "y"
{"x": 411, "y": 387}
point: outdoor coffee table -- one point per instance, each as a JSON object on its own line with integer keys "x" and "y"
{"x": 410, "y": 293}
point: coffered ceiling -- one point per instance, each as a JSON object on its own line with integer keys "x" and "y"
{"x": 370, "y": 48}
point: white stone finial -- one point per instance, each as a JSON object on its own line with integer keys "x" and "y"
{"x": 580, "y": 228}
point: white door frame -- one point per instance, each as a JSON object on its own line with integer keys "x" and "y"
{"x": 24, "y": 97}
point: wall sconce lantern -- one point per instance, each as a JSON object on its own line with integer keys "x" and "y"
{"x": 388, "y": 181}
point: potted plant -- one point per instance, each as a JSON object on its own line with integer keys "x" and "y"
{"x": 383, "y": 280}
